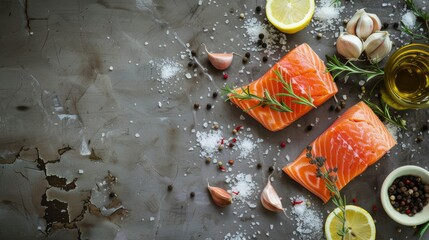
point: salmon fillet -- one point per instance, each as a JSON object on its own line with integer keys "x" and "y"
{"x": 307, "y": 73}
{"x": 353, "y": 142}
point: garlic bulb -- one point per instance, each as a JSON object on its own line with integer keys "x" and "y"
{"x": 349, "y": 46}
{"x": 270, "y": 199}
{"x": 362, "y": 24}
{"x": 377, "y": 46}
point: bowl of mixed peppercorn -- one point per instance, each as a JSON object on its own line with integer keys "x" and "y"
{"x": 405, "y": 195}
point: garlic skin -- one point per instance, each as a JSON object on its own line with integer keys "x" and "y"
{"x": 270, "y": 199}
{"x": 362, "y": 24}
{"x": 377, "y": 46}
{"x": 349, "y": 46}
{"x": 220, "y": 197}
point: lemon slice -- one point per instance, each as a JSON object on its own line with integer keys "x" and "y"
{"x": 358, "y": 220}
{"x": 290, "y": 16}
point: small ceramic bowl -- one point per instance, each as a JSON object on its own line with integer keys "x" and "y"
{"x": 418, "y": 218}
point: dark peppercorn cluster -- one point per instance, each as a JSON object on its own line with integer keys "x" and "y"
{"x": 408, "y": 194}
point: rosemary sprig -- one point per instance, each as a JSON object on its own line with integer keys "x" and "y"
{"x": 290, "y": 93}
{"x": 329, "y": 176}
{"x": 418, "y": 12}
{"x": 336, "y": 3}
{"x": 348, "y": 68}
{"x": 385, "y": 114}
{"x": 422, "y": 229}
{"x": 411, "y": 32}
{"x": 268, "y": 99}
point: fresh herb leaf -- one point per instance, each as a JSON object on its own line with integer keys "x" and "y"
{"x": 271, "y": 100}
{"x": 336, "y": 67}
{"x": 423, "y": 228}
{"x": 336, "y": 3}
{"x": 384, "y": 112}
{"x": 411, "y": 32}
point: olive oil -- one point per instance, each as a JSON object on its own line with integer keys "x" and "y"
{"x": 407, "y": 77}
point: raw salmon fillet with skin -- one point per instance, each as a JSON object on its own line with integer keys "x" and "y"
{"x": 307, "y": 73}
{"x": 353, "y": 142}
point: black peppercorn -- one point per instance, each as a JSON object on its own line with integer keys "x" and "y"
{"x": 196, "y": 106}
{"x": 112, "y": 195}
{"x": 264, "y": 45}
{"x": 214, "y": 94}
{"x": 385, "y": 25}
{"x": 338, "y": 108}
{"x": 261, "y": 36}
{"x": 190, "y": 64}
{"x": 425, "y": 127}
{"x": 170, "y": 187}
{"x": 264, "y": 59}
{"x": 419, "y": 139}
{"x": 245, "y": 59}
{"x": 270, "y": 169}
{"x": 258, "y": 9}
{"x": 258, "y": 166}
{"x": 331, "y": 108}
{"x": 247, "y": 54}
{"x": 193, "y": 53}
{"x": 260, "y": 42}
{"x": 309, "y": 127}
{"x": 209, "y": 106}
{"x": 192, "y": 194}
{"x": 395, "y": 25}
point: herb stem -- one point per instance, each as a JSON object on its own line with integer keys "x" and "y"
{"x": 335, "y": 66}
{"x": 272, "y": 101}
{"x": 419, "y": 13}
{"x": 385, "y": 114}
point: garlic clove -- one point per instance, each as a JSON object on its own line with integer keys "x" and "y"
{"x": 220, "y": 197}
{"x": 376, "y": 21}
{"x": 220, "y": 61}
{"x": 351, "y": 25}
{"x": 349, "y": 46}
{"x": 270, "y": 199}
{"x": 378, "y": 46}
{"x": 364, "y": 26}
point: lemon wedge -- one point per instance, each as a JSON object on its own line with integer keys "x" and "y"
{"x": 290, "y": 16}
{"x": 358, "y": 220}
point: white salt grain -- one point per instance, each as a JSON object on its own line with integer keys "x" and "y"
{"x": 409, "y": 20}
{"x": 208, "y": 142}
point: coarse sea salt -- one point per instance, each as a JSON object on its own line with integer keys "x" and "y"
{"x": 246, "y": 147}
{"x": 309, "y": 223}
{"x": 209, "y": 142}
{"x": 327, "y": 16}
{"x": 242, "y": 186}
{"x": 409, "y": 20}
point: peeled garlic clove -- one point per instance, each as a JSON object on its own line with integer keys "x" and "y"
{"x": 349, "y": 46}
{"x": 378, "y": 46}
{"x": 270, "y": 199}
{"x": 220, "y": 197}
{"x": 220, "y": 61}
{"x": 376, "y": 21}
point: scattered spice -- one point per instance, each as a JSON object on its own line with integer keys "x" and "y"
{"x": 309, "y": 127}
{"x": 338, "y": 109}
{"x": 258, "y": 9}
{"x": 193, "y": 53}
{"x": 261, "y": 36}
{"x": 247, "y": 54}
{"x": 231, "y": 162}
{"x": 331, "y": 108}
{"x": 270, "y": 168}
{"x": 259, "y": 166}
{"x": 308, "y": 221}
{"x": 295, "y": 202}
{"x": 170, "y": 187}
{"x": 354, "y": 200}
{"x": 245, "y": 59}
{"x": 208, "y": 160}
{"x": 283, "y": 144}
{"x": 425, "y": 127}
{"x": 264, "y": 59}
{"x": 209, "y": 106}
{"x": 196, "y": 106}
{"x": 214, "y": 95}
{"x": 192, "y": 195}
{"x": 264, "y": 45}
{"x": 190, "y": 64}
{"x": 419, "y": 139}
{"x": 225, "y": 76}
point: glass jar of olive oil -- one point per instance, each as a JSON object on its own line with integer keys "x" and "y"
{"x": 406, "y": 77}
